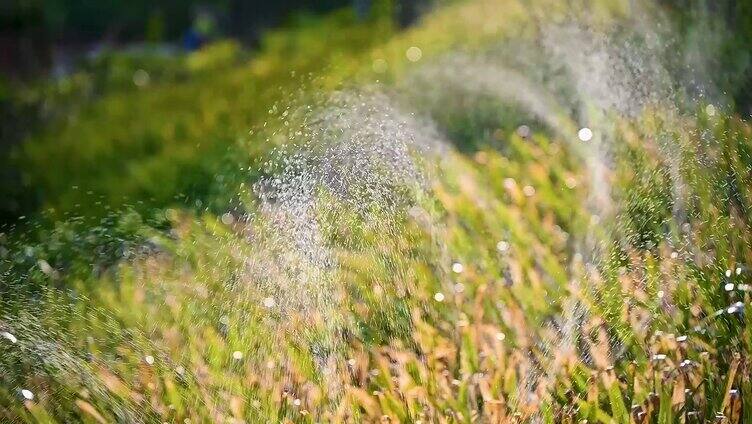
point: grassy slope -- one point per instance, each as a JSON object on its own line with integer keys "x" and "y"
{"x": 412, "y": 358}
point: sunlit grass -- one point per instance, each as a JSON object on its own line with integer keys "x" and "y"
{"x": 496, "y": 293}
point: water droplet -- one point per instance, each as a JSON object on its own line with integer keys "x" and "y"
{"x": 414, "y": 54}
{"x": 9, "y": 336}
{"x": 660, "y": 294}
{"x": 736, "y": 307}
{"x": 237, "y": 355}
{"x": 269, "y": 302}
{"x": 585, "y": 134}
{"x": 659, "y": 357}
{"x": 728, "y": 287}
{"x": 523, "y": 131}
{"x": 500, "y": 336}
{"x": 502, "y": 246}
{"x": 509, "y": 183}
{"x": 45, "y": 267}
{"x": 457, "y": 267}
{"x": 149, "y": 359}
{"x": 228, "y": 219}
{"x": 439, "y": 297}
{"x": 141, "y": 78}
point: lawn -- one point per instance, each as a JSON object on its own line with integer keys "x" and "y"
{"x": 356, "y": 223}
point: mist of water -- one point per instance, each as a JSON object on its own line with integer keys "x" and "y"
{"x": 366, "y": 159}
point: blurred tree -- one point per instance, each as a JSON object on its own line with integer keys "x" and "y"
{"x": 362, "y": 8}
{"x": 408, "y": 11}
{"x": 249, "y": 19}
{"x": 155, "y": 27}
{"x": 24, "y": 38}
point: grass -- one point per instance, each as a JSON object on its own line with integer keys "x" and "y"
{"x": 554, "y": 315}
{"x": 167, "y": 142}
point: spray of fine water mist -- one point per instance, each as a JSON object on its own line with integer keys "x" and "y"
{"x": 371, "y": 164}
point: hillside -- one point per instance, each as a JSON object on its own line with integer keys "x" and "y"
{"x": 515, "y": 211}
